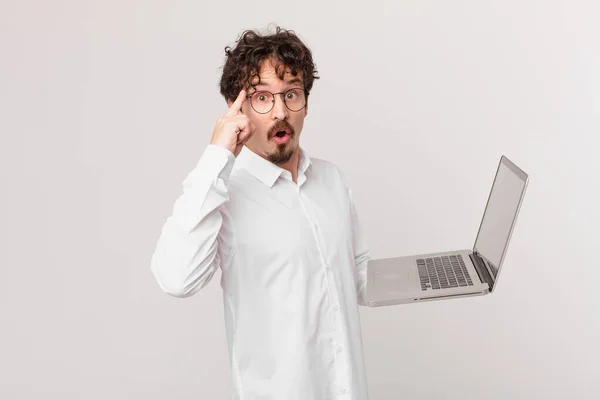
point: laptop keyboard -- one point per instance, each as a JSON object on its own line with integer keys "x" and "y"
{"x": 443, "y": 272}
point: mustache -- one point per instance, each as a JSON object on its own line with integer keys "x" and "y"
{"x": 281, "y": 126}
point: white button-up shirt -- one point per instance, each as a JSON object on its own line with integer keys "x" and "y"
{"x": 293, "y": 271}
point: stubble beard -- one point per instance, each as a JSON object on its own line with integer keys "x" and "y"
{"x": 282, "y": 155}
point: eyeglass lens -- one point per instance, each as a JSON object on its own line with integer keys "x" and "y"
{"x": 263, "y": 101}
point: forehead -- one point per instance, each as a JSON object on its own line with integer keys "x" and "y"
{"x": 273, "y": 72}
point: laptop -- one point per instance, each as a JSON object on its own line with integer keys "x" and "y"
{"x": 461, "y": 273}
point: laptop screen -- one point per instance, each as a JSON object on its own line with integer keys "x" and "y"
{"x": 501, "y": 212}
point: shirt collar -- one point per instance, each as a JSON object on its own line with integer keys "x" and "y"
{"x": 266, "y": 171}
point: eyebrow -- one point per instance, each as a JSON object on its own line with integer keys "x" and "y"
{"x": 294, "y": 81}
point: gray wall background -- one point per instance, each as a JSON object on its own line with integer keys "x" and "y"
{"x": 107, "y": 105}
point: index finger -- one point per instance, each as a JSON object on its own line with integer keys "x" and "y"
{"x": 236, "y": 106}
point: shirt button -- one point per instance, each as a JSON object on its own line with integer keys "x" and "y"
{"x": 336, "y": 307}
{"x": 343, "y": 391}
{"x": 339, "y": 349}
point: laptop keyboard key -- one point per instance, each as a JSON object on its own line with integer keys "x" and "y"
{"x": 443, "y": 272}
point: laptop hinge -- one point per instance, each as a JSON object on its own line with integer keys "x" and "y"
{"x": 482, "y": 270}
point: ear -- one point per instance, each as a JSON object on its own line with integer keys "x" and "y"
{"x": 305, "y": 110}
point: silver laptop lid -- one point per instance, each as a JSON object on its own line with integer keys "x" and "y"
{"x": 500, "y": 215}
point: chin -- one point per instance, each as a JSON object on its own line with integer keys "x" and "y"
{"x": 282, "y": 155}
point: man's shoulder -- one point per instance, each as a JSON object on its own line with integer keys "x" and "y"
{"x": 324, "y": 166}
{"x": 328, "y": 172}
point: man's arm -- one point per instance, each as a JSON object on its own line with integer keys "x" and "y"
{"x": 197, "y": 238}
{"x": 362, "y": 254}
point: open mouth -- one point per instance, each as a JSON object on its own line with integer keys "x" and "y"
{"x": 281, "y": 137}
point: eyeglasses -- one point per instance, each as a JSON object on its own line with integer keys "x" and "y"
{"x": 263, "y": 101}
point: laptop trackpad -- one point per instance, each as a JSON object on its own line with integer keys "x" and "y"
{"x": 394, "y": 279}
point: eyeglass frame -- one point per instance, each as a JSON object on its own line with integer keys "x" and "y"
{"x": 273, "y": 101}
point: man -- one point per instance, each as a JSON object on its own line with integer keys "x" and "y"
{"x": 282, "y": 228}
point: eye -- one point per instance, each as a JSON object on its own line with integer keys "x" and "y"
{"x": 262, "y": 97}
{"x": 291, "y": 95}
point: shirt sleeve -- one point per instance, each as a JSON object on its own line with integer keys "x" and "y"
{"x": 198, "y": 237}
{"x": 362, "y": 254}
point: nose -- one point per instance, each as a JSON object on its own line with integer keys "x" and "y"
{"x": 279, "y": 111}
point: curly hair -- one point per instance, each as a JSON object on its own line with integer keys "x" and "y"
{"x": 242, "y": 64}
